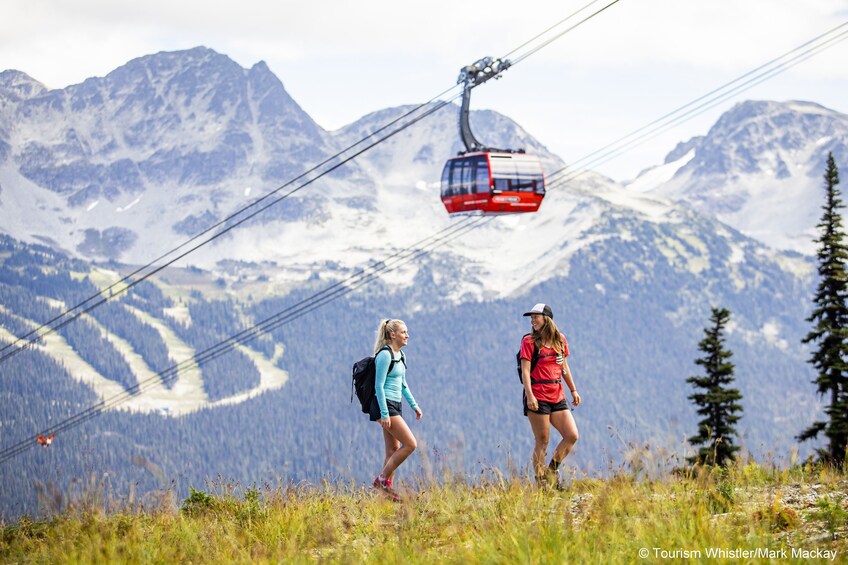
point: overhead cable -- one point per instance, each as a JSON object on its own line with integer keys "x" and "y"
{"x": 285, "y": 316}
{"x": 119, "y": 287}
{"x": 704, "y": 103}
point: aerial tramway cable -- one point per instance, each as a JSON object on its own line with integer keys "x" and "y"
{"x": 563, "y": 32}
{"x": 269, "y": 324}
{"x": 337, "y": 290}
{"x": 288, "y": 314}
{"x": 703, "y": 103}
{"x": 33, "y": 336}
{"x": 551, "y": 28}
{"x": 116, "y": 288}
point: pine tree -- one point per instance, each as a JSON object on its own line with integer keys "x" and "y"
{"x": 718, "y": 403}
{"x": 830, "y": 319}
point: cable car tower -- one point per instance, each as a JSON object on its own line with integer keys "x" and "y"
{"x": 486, "y": 180}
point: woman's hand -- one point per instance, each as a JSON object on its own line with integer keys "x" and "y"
{"x": 576, "y": 397}
{"x": 418, "y": 414}
{"x": 532, "y": 403}
{"x": 385, "y": 422}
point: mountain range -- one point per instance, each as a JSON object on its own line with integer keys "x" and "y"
{"x": 99, "y": 177}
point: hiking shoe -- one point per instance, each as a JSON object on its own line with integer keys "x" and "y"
{"x": 549, "y": 481}
{"x": 385, "y": 485}
{"x": 558, "y": 486}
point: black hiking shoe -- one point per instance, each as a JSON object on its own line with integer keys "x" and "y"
{"x": 549, "y": 481}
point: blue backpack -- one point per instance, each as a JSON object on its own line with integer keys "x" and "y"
{"x": 364, "y": 375}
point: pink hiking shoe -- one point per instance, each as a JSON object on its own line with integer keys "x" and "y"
{"x": 385, "y": 485}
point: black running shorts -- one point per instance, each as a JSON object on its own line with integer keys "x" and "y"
{"x": 394, "y": 409}
{"x": 547, "y": 407}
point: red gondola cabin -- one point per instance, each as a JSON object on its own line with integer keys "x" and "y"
{"x": 492, "y": 183}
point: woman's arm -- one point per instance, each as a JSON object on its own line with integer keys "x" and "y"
{"x": 410, "y": 399}
{"x": 407, "y": 394}
{"x": 569, "y": 381}
{"x": 381, "y": 371}
{"x": 532, "y": 404}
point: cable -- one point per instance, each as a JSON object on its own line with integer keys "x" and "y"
{"x": 557, "y": 36}
{"x": 36, "y": 334}
{"x": 556, "y": 25}
{"x": 337, "y": 290}
{"x": 692, "y": 109}
{"x": 275, "y": 321}
{"x": 301, "y": 308}
{"x": 103, "y": 299}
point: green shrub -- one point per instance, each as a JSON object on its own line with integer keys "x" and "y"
{"x": 198, "y": 502}
{"x": 831, "y": 513}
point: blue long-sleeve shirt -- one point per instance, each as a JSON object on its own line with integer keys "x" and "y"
{"x": 390, "y": 385}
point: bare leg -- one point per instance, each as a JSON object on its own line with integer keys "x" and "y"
{"x": 564, "y": 423}
{"x": 401, "y": 432}
{"x": 541, "y": 426}
{"x": 392, "y": 445}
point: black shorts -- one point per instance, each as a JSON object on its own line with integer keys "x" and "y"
{"x": 546, "y": 407}
{"x": 374, "y": 411}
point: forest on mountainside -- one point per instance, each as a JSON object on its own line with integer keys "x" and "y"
{"x": 629, "y": 356}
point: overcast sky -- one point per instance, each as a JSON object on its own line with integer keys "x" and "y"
{"x": 341, "y": 59}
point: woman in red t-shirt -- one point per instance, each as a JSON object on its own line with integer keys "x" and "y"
{"x": 544, "y": 396}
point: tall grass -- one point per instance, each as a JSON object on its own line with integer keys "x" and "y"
{"x": 499, "y": 520}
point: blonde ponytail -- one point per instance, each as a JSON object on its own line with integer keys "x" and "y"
{"x": 384, "y": 333}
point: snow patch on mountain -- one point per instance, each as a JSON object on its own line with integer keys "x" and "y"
{"x": 187, "y": 393}
{"x": 652, "y": 178}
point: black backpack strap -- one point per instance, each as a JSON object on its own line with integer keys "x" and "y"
{"x": 534, "y": 360}
{"x": 392, "y": 358}
{"x": 352, "y": 381}
{"x": 533, "y": 363}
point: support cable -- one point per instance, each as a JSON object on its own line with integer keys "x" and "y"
{"x": 703, "y": 103}
{"x": 117, "y": 288}
{"x": 285, "y": 316}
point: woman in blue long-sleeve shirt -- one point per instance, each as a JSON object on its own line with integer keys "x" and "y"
{"x": 389, "y": 386}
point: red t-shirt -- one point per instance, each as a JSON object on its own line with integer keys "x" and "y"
{"x": 547, "y": 369}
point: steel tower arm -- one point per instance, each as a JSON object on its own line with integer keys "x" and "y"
{"x": 470, "y": 76}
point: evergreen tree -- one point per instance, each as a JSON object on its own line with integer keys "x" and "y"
{"x": 830, "y": 319}
{"x": 718, "y": 404}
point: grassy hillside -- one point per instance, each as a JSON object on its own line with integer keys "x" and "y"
{"x": 788, "y": 515}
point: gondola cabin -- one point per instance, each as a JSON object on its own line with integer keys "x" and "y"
{"x": 492, "y": 183}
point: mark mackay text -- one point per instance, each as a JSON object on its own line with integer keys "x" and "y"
{"x": 740, "y": 553}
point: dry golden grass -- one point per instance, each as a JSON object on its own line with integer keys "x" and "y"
{"x": 749, "y": 508}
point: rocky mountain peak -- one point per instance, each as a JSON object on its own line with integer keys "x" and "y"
{"x": 17, "y": 85}
{"x": 758, "y": 169}
{"x": 181, "y": 137}
{"x": 766, "y": 137}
